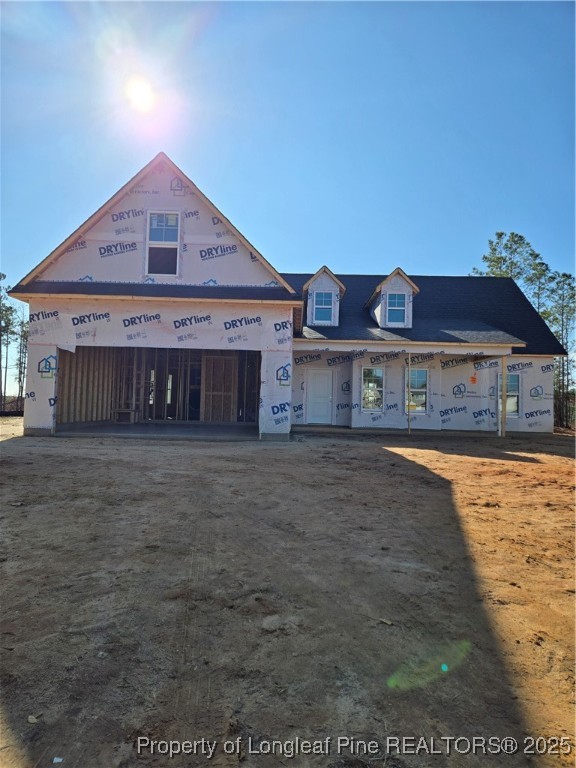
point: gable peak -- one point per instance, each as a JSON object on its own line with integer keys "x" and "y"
{"x": 325, "y": 271}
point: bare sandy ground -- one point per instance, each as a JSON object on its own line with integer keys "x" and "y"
{"x": 368, "y": 588}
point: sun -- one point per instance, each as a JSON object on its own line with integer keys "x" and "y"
{"x": 140, "y": 94}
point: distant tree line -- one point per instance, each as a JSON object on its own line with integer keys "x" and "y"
{"x": 13, "y": 338}
{"x": 553, "y": 295}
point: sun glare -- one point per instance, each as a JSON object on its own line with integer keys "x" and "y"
{"x": 140, "y": 94}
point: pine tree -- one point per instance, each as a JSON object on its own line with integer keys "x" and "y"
{"x": 7, "y": 335}
{"x": 22, "y": 334}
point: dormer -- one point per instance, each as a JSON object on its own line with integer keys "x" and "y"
{"x": 323, "y": 293}
{"x": 391, "y": 303}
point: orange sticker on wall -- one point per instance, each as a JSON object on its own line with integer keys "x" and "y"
{"x": 473, "y": 379}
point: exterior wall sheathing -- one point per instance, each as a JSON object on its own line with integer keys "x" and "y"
{"x": 62, "y": 330}
{"x": 462, "y": 390}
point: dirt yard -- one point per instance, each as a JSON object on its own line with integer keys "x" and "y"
{"x": 225, "y": 596}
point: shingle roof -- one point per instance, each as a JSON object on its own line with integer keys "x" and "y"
{"x": 470, "y": 310}
{"x": 457, "y": 310}
{"x": 155, "y": 290}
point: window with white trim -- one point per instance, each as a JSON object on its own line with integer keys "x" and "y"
{"x": 512, "y": 394}
{"x": 396, "y": 308}
{"x": 323, "y": 303}
{"x": 163, "y": 242}
{"x": 372, "y": 389}
{"x": 417, "y": 390}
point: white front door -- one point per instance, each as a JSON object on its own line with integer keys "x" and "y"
{"x": 318, "y": 396}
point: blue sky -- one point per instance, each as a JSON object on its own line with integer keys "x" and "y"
{"x": 363, "y": 136}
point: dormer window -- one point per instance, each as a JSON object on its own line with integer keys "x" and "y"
{"x": 396, "y": 308}
{"x": 391, "y": 303}
{"x": 323, "y": 303}
{"x": 163, "y": 240}
{"x": 324, "y": 293}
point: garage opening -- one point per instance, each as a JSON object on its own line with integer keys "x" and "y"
{"x": 134, "y": 385}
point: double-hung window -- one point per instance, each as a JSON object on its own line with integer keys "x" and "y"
{"x": 512, "y": 394}
{"x": 163, "y": 241}
{"x": 372, "y": 389}
{"x": 396, "y": 312}
{"x": 417, "y": 390}
{"x": 323, "y": 301}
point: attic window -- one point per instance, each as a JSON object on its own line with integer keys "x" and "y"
{"x": 396, "y": 312}
{"x": 163, "y": 239}
{"x": 323, "y": 302}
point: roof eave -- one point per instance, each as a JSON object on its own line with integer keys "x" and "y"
{"x": 27, "y": 297}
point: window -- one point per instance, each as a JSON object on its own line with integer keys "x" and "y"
{"x": 396, "y": 308}
{"x": 163, "y": 239}
{"x": 323, "y": 306}
{"x": 372, "y": 389}
{"x": 417, "y": 391}
{"x": 512, "y": 394}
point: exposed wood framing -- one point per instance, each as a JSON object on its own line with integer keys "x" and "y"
{"x": 132, "y": 384}
{"x": 84, "y": 385}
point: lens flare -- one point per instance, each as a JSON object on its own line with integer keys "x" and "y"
{"x": 429, "y": 666}
{"x": 140, "y": 94}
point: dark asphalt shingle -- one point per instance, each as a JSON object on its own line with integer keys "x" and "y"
{"x": 470, "y": 310}
{"x": 463, "y": 310}
{"x": 155, "y": 290}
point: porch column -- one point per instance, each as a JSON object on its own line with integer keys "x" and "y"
{"x": 502, "y": 413}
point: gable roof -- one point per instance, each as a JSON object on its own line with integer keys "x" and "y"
{"x": 161, "y": 158}
{"x": 474, "y": 310}
{"x": 331, "y": 275}
{"x": 395, "y": 272}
